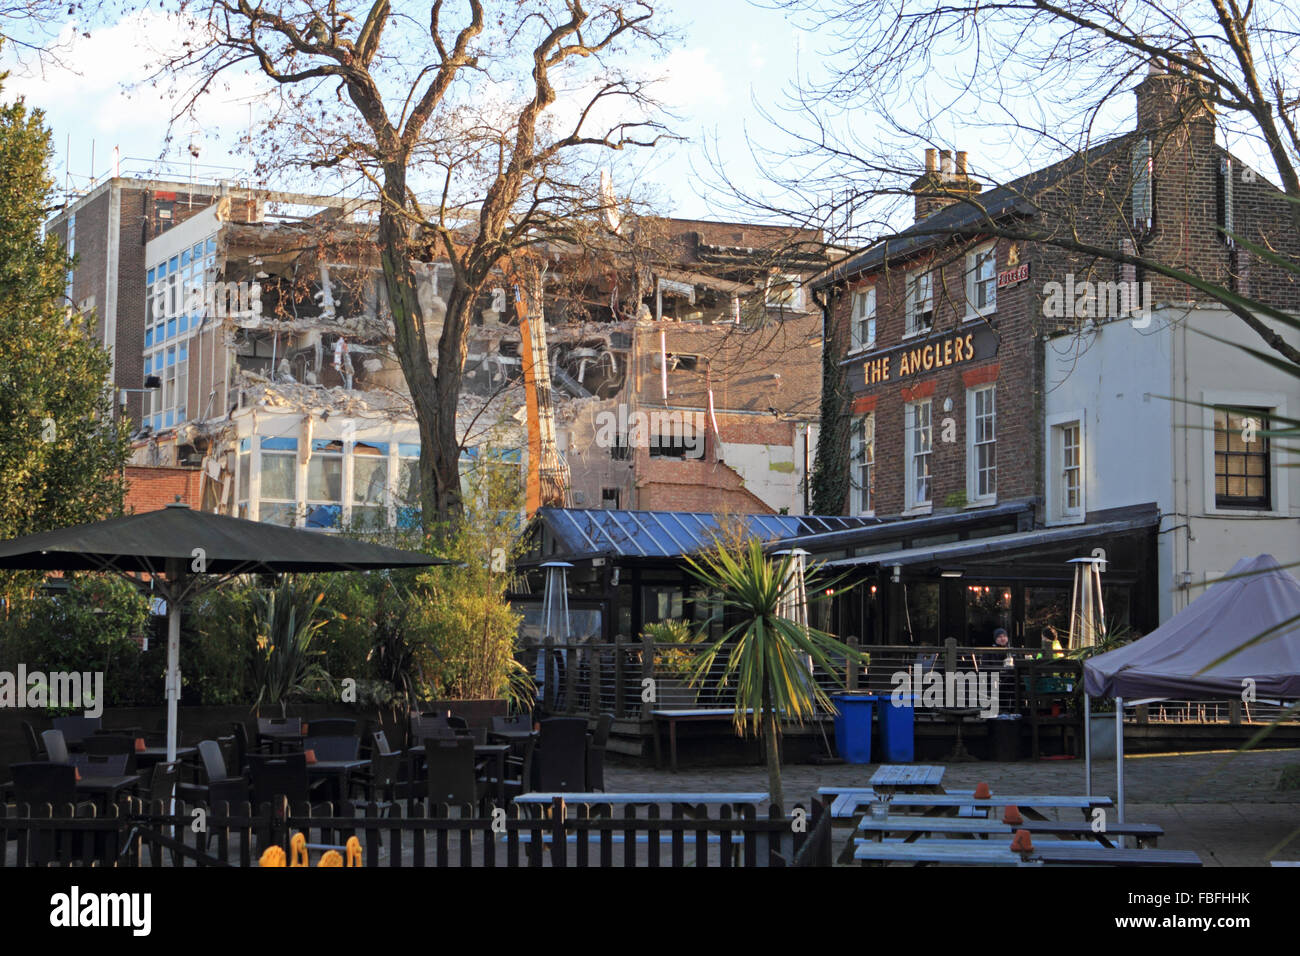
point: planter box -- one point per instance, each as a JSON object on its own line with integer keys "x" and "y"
{"x": 477, "y": 713}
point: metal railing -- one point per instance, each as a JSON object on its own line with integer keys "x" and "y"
{"x": 629, "y": 678}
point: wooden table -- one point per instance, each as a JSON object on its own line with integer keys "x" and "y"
{"x": 672, "y": 717}
{"x": 144, "y": 759}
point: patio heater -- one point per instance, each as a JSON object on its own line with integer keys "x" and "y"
{"x": 555, "y": 625}
{"x": 1088, "y": 629}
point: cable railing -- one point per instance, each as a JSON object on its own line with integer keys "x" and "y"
{"x": 630, "y": 678}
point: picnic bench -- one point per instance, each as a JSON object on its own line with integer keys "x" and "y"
{"x": 907, "y": 778}
{"x": 982, "y": 853}
{"x": 917, "y": 826}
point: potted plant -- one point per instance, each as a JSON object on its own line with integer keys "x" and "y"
{"x": 673, "y": 665}
{"x": 1101, "y": 728}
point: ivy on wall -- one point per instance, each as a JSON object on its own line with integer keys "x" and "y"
{"x": 830, "y": 482}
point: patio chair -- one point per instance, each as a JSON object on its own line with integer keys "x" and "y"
{"x": 276, "y": 733}
{"x": 56, "y": 748}
{"x": 221, "y": 787}
{"x": 560, "y": 763}
{"x": 55, "y": 784}
{"x": 332, "y": 727}
{"x": 518, "y": 771}
{"x": 451, "y": 774}
{"x": 382, "y": 746}
{"x": 243, "y": 745}
{"x": 76, "y": 729}
{"x": 114, "y": 745}
{"x": 596, "y": 753}
{"x": 428, "y": 726}
{"x": 382, "y": 784}
{"x": 35, "y": 752}
{"x": 160, "y": 790}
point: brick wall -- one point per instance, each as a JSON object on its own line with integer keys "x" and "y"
{"x": 149, "y": 488}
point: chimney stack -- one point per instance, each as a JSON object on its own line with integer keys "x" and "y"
{"x": 943, "y": 182}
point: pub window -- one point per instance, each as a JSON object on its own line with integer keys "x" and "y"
{"x": 917, "y": 442}
{"x": 862, "y": 469}
{"x": 1069, "y": 458}
{"x": 981, "y": 281}
{"x": 920, "y": 302}
{"x": 1242, "y": 458}
{"x": 864, "y": 318}
{"x": 982, "y": 448}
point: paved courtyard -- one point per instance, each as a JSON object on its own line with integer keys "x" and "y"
{"x": 1225, "y": 806}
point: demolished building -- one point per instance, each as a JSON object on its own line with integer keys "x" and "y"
{"x": 252, "y": 342}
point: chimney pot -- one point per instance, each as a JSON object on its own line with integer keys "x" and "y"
{"x": 931, "y": 160}
{"x": 945, "y": 161}
{"x": 961, "y": 162}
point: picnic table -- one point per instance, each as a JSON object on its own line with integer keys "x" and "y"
{"x": 1031, "y": 805}
{"x": 673, "y": 717}
{"x": 907, "y": 778}
{"x": 985, "y": 853}
{"x": 676, "y": 799}
{"x": 914, "y": 827}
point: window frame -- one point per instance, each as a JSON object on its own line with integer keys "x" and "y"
{"x": 1243, "y": 502}
{"x": 1280, "y": 456}
{"x": 912, "y": 503}
{"x": 862, "y": 438}
{"x": 973, "y": 445}
{"x": 1057, "y": 512}
{"x": 985, "y": 253}
{"x": 866, "y": 294}
{"x": 914, "y": 278}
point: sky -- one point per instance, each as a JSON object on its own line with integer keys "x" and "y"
{"x": 732, "y": 53}
{"x": 734, "y": 59}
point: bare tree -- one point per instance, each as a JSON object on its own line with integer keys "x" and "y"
{"x": 476, "y": 128}
{"x": 1051, "y": 78}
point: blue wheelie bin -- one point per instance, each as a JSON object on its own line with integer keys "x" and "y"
{"x": 853, "y": 726}
{"x": 897, "y": 730}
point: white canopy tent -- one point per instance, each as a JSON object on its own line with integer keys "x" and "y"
{"x": 1241, "y": 638}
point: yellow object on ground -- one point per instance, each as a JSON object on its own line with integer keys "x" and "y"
{"x": 274, "y": 855}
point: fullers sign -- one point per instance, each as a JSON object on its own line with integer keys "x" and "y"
{"x": 912, "y": 359}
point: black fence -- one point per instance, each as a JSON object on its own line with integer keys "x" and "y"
{"x": 133, "y": 834}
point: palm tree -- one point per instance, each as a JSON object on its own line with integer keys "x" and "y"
{"x": 768, "y": 655}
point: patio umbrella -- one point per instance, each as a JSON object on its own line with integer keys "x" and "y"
{"x": 185, "y": 552}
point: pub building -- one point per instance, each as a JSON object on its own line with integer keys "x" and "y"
{"x": 983, "y": 428}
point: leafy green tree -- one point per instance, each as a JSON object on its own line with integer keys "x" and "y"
{"x": 767, "y": 654}
{"x": 61, "y": 453}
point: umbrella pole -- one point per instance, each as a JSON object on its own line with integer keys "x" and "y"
{"x": 173, "y": 674}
